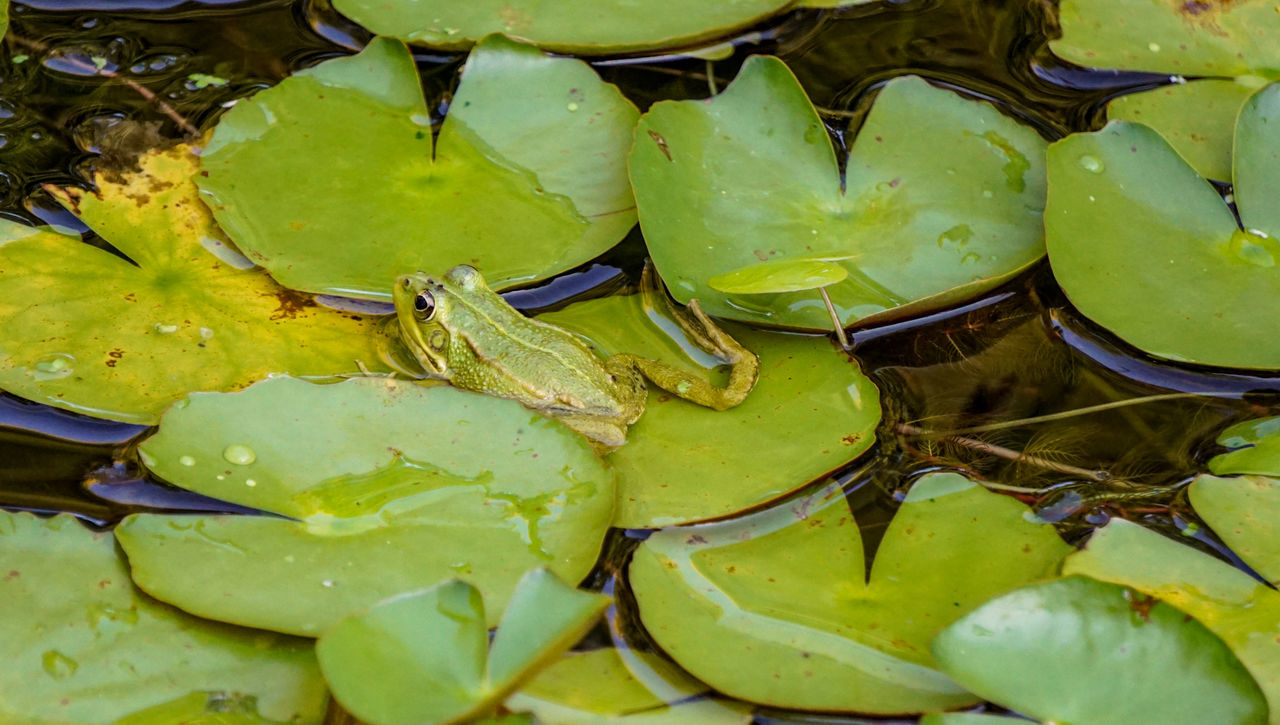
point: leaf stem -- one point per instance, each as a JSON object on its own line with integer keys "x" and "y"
{"x": 835, "y": 319}
{"x": 1003, "y": 425}
{"x": 1008, "y": 453}
{"x": 90, "y": 69}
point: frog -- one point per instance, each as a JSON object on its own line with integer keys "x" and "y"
{"x": 459, "y": 330}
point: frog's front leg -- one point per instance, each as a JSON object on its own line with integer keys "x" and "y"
{"x": 706, "y": 334}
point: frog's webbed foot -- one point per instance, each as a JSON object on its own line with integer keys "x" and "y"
{"x": 706, "y": 334}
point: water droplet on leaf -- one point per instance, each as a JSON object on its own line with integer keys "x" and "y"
{"x": 1092, "y": 164}
{"x": 52, "y": 367}
{"x": 187, "y": 461}
{"x": 239, "y": 454}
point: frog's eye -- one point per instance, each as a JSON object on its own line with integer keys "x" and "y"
{"x": 424, "y": 306}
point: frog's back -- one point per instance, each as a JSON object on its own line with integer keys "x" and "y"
{"x": 515, "y": 356}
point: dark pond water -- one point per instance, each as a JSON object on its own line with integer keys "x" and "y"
{"x": 1019, "y": 352}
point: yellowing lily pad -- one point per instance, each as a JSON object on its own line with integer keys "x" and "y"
{"x": 581, "y": 27}
{"x": 1077, "y": 650}
{"x": 1242, "y": 611}
{"x": 424, "y": 657}
{"x": 83, "y": 329}
{"x": 1192, "y": 38}
{"x": 520, "y": 201}
{"x": 390, "y": 486}
{"x": 1145, "y": 247}
{"x": 83, "y": 646}
{"x": 599, "y": 686}
{"x": 683, "y": 462}
{"x": 776, "y": 607}
{"x": 1245, "y": 512}
{"x": 943, "y": 197}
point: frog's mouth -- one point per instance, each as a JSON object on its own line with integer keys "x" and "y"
{"x": 425, "y": 338}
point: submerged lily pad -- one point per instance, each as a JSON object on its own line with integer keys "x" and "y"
{"x": 83, "y": 329}
{"x": 1192, "y": 38}
{"x": 1148, "y": 249}
{"x": 1242, "y": 611}
{"x": 943, "y": 197}
{"x": 683, "y": 462}
{"x": 581, "y": 27}
{"x": 1126, "y": 658}
{"x": 1243, "y": 511}
{"x": 599, "y": 686}
{"x": 520, "y": 201}
{"x": 394, "y": 486}
{"x": 424, "y": 658}
{"x": 83, "y": 646}
{"x": 776, "y": 607}
{"x": 1255, "y": 448}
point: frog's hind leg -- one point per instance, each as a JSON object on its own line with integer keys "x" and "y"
{"x": 703, "y": 332}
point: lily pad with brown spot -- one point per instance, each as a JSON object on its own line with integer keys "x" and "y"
{"x": 86, "y": 330}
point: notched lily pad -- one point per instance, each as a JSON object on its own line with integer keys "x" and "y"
{"x": 1138, "y": 660}
{"x": 520, "y": 201}
{"x": 943, "y": 197}
{"x": 683, "y": 462}
{"x": 582, "y": 27}
{"x": 391, "y": 486}
{"x": 83, "y": 646}
{"x": 1242, "y": 611}
{"x": 424, "y": 658}
{"x": 1148, "y": 249}
{"x": 1197, "y": 118}
{"x": 83, "y": 329}
{"x": 776, "y": 607}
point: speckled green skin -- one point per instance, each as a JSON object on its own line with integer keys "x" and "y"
{"x": 476, "y": 341}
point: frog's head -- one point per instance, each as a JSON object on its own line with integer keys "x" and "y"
{"x": 424, "y": 306}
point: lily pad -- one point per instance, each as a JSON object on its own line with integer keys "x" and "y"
{"x": 520, "y": 201}
{"x": 776, "y": 607}
{"x": 599, "y": 686}
{"x": 581, "y": 27}
{"x": 1192, "y": 38}
{"x": 784, "y": 275}
{"x": 684, "y": 462}
{"x": 83, "y": 329}
{"x": 1242, "y": 611}
{"x": 424, "y": 658}
{"x": 1243, "y": 511}
{"x": 391, "y": 486}
{"x": 943, "y": 197}
{"x": 1198, "y": 119}
{"x": 1145, "y": 247}
{"x": 968, "y": 718}
{"x": 1255, "y": 448}
{"x": 201, "y": 708}
{"x": 1128, "y": 658}
{"x": 83, "y": 646}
